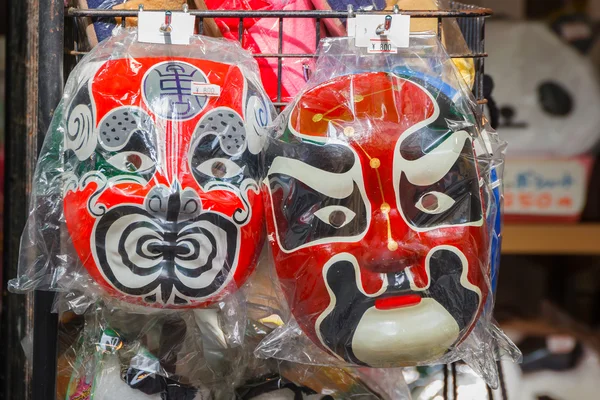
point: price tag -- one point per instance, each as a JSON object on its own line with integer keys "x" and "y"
{"x": 381, "y": 46}
{"x": 365, "y": 30}
{"x": 151, "y": 22}
{"x": 206, "y": 89}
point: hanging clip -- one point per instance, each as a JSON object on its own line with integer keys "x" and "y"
{"x": 383, "y": 28}
{"x": 350, "y": 9}
{"x": 185, "y": 8}
{"x": 166, "y": 27}
{"x": 306, "y": 72}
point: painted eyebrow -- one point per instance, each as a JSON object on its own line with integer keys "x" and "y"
{"x": 213, "y": 152}
{"x": 337, "y": 186}
{"x": 433, "y": 166}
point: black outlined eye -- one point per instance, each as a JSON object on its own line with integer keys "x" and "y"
{"x": 220, "y": 168}
{"x": 336, "y": 216}
{"x": 434, "y": 203}
{"x": 131, "y": 161}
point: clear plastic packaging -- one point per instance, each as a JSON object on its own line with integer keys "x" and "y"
{"x": 452, "y": 37}
{"x": 379, "y": 189}
{"x": 156, "y": 355}
{"x": 147, "y": 186}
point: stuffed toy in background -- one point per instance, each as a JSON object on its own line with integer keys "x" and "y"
{"x": 547, "y": 92}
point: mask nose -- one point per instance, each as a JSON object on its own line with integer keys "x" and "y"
{"x": 172, "y": 204}
{"x": 390, "y": 246}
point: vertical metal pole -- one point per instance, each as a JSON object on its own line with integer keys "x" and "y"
{"x": 21, "y": 126}
{"x": 50, "y": 87}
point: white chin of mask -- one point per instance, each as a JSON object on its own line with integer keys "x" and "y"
{"x": 404, "y": 336}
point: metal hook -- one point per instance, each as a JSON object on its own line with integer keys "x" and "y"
{"x": 141, "y": 8}
{"x": 166, "y": 27}
{"x": 382, "y": 28}
{"x": 306, "y": 71}
{"x": 185, "y": 8}
{"x": 350, "y": 9}
{"x": 396, "y": 9}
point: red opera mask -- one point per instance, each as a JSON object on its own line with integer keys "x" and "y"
{"x": 375, "y": 219}
{"x": 163, "y": 205}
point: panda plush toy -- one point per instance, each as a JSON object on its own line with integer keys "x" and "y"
{"x": 546, "y": 91}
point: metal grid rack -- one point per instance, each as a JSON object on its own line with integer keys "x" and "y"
{"x": 35, "y": 90}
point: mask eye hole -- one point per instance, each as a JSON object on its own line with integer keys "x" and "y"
{"x": 335, "y": 216}
{"x": 435, "y": 203}
{"x": 430, "y": 202}
{"x": 220, "y": 168}
{"x": 131, "y": 161}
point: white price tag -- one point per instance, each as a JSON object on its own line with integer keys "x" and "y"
{"x": 397, "y": 36}
{"x": 150, "y": 23}
{"x": 205, "y": 89}
{"x": 381, "y": 46}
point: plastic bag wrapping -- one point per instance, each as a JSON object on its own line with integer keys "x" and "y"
{"x": 379, "y": 197}
{"x": 145, "y": 192}
{"x": 149, "y": 355}
{"x": 261, "y": 36}
{"x": 545, "y": 89}
{"x": 282, "y": 379}
{"x": 452, "y": 37}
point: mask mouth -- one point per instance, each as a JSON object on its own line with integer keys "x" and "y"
{"x": 393, "y": 302}
{"x": 448, "y": 290}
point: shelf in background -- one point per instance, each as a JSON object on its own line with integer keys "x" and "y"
{"x": 581, "y": 239}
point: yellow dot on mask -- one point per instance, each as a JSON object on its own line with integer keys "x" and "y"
{"x": 375, "y": 163}
{"x": 349, "y": 131}
{"x": 392, "y": 246}
{"x": 358, "y": 98}
{"x": 317, "y": 117}
{"x": 385, "y": 208}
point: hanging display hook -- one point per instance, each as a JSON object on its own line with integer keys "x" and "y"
{"x": 382, "y": 28}
{"x": 166, "y": 27}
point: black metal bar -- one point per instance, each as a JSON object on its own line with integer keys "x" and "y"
{"x": 277, "y": 55}
{"x": 17, "y": 310}
{"x": 50, "y": 87}
{"x": 97, "y": 13}
{"x": 241, "y": 30}
{"x": 445, "y": 389}
{"x": 318, "y": 32}
{"x": 279, "y": 60}
{"x": 454, "y": 382}
{"x": 502, "y": 382}
{"x": 490, "y": 393}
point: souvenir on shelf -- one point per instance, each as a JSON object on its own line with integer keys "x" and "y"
{"x": 378, "y": 197}
{"x": 149, "y": 176}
